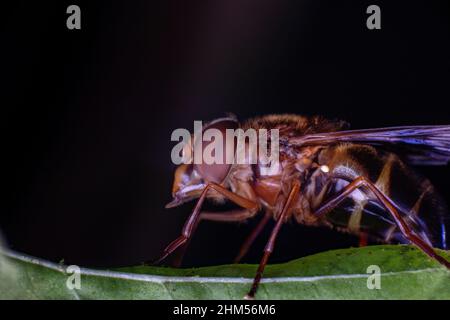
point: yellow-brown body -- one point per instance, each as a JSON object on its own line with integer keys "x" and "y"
{"x": 324, "y": 170}
{"x": 357, "y": 181}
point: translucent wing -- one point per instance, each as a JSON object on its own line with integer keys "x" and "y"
{"x": 419, "y": 145}
{"x": 415, "y": 198}
{"x": 373, "y": 219}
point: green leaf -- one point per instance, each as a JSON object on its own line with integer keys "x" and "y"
{"x": 406, "y": 273}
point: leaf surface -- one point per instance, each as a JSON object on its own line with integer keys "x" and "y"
{"x": 406, "y": 273}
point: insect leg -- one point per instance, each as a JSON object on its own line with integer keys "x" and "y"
{"x": 189, "y": 226}
{"x": 237, "y": 199}
{"x": 271, "y": 243}
{"x": 403, "y": 226}
{"x": 187, "y": 230}
{"x": 179, "y": 255}
{"x": 363, "y": 239}
{"x": 226, "y": 216}
{"x": 251, "y": 238}
{"x": 337, "y": 199}
{"x": 388, "y": 204}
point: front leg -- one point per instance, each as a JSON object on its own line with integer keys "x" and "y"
{"x": 226, "y": 216}
{"x": 193, "y": 219}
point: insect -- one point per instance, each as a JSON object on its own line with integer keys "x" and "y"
{"x": 357, "y": 181}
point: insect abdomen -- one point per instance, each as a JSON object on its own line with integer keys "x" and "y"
{"x": 413, "y": 195}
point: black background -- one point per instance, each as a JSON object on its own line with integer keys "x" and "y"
{"x": 87, "y": 114}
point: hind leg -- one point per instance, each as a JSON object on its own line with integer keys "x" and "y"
{"x": 391, "y": 208}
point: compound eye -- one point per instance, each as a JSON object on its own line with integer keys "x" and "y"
{"x": 211, "y": 170}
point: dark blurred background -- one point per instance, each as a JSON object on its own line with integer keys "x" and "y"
{"x": 87, "y": 114}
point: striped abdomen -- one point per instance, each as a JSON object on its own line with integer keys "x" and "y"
{"x": 413, "y": 195}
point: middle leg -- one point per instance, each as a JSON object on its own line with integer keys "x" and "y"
{"x": 252, "y": 237}
{"x": 271, "y": 243}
